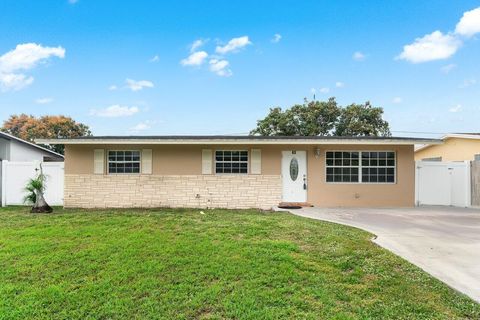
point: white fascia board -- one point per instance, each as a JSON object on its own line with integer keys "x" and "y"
{"x": 461, "y": 136}
{"x": 237, "y": 141}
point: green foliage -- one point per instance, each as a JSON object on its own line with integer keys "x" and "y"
{"x": 362, "y": 120}
{"x": 325, "y": 118}
{"x": 34, "y": 186}
{"x": 224, "y": 264}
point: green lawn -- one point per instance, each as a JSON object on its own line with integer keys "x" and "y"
{"x": 223, "y": 264}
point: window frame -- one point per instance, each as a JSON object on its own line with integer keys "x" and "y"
{"x": 360, "y": 167}
{"x": 231, "y": 173}
{"x": 124, "y": 173}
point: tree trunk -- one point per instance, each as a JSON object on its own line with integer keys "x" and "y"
{"x": 41, "y": 206}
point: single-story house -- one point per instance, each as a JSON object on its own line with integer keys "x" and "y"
{"x": 238, "y": 171}
{"x": 16, "y": 149}
{"x": 456, "y": 147}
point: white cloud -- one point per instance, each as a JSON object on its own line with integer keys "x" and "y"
{"x": 325, "y": 90}
{"x": 359, "y": 56}
{"x": 72, "y": 1}
{"x": 397, "y": 100}
{"x": 155, "y": 58}
{"x": 24, "y": 57}
{"x": 434, "y": 46}
{"x": 27, "y": 56}
{"x": 469, "y": 24}
{"x": 468, "y": 83}
{"x": 43, "y": 100}
{"x": 112, "y": 87}
{"x": 138, "y": 85}
{"x": 339, "y": 84}
{"x": 448, "y": 68}
{"x": 456, "y": 108}
{"x": 313, "y": 90}
{"x": 233, "y": 45}
{"x": 197, "y": 44}
{"x": 114, "y": 111}
{"x": 220, "y": 67}
{"x": 195, "y": 59}
{"x": 141, "y": 126}
{"x": 439, "y": 46}
{"x": 12, "y": 81}
{"x": 276, "y": 38}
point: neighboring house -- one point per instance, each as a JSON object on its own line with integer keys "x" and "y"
{"x": 238, "y": 171}
{"x": 456, "y": 147}
{"x": 21, "y": 153}
{"x": 16, "y": 149}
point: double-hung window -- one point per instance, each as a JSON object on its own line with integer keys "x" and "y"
{"x": 231, "y": 161}
{"x": 124, "y": 161}
{"x": 360, "y": 166}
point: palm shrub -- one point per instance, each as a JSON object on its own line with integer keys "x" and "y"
{"x": 35, "y": 189}
{"x": 31, "y": 188}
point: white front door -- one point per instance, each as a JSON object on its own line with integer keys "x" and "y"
{"x": 294, "y": 176}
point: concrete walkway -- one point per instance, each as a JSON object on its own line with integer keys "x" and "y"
{"x": 443, "y": 241}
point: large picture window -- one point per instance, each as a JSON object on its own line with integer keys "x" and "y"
{"x": 227, "y": 161}
{"x": 124, "y": 161}
{"x": 360, "y": 166}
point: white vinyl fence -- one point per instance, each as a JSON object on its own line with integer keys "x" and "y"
{"x": 443, "y": 183}
{"x": 15, "y": 175}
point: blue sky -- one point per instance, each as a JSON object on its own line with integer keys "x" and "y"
{"x": 128, "y": 67}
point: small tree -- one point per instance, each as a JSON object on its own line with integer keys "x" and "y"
{"x": 35, "y": 189}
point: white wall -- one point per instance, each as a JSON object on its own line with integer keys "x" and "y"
{"x": 22, "y": 152}
{"x": 4, "y": 148}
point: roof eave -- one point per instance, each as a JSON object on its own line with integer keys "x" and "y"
{"x": 446, "y": 137}
{"x": 11, "y": 137}
{"x": 330, "y": 141}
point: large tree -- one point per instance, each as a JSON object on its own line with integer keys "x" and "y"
{"x": 362, "y": 120}
{"x": 324, "y": 118}
{"x": 309, "y": 119}
{"x": 29, "y": 128}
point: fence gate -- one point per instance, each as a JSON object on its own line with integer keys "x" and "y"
{"x": 15, "y": 176}
{"x": 442, "y": 183}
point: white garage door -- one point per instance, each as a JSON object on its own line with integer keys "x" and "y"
{"x": 443, "y": 183}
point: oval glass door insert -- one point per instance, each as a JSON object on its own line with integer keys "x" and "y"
{"x": 294, "y": 169}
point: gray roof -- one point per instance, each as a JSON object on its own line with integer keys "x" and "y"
{"x": 228, "y": 137}
{"x": 218, "y": 139}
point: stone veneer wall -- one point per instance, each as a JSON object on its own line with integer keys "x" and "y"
{"x": 189, "y": 191}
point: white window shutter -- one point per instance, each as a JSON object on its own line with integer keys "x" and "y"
{"x": 256, "y": 161}
{"x": 98, "y": 161}
{"x": 147, "y": 161}
{"x": 207, "y": 161}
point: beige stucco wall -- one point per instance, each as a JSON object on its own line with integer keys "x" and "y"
{"x": 265, "y": 189}
{"x": 399, "y": 194}
{"x": 453, "y": 149}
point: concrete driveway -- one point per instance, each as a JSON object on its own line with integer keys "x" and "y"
{"x": 443, "y": 241}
